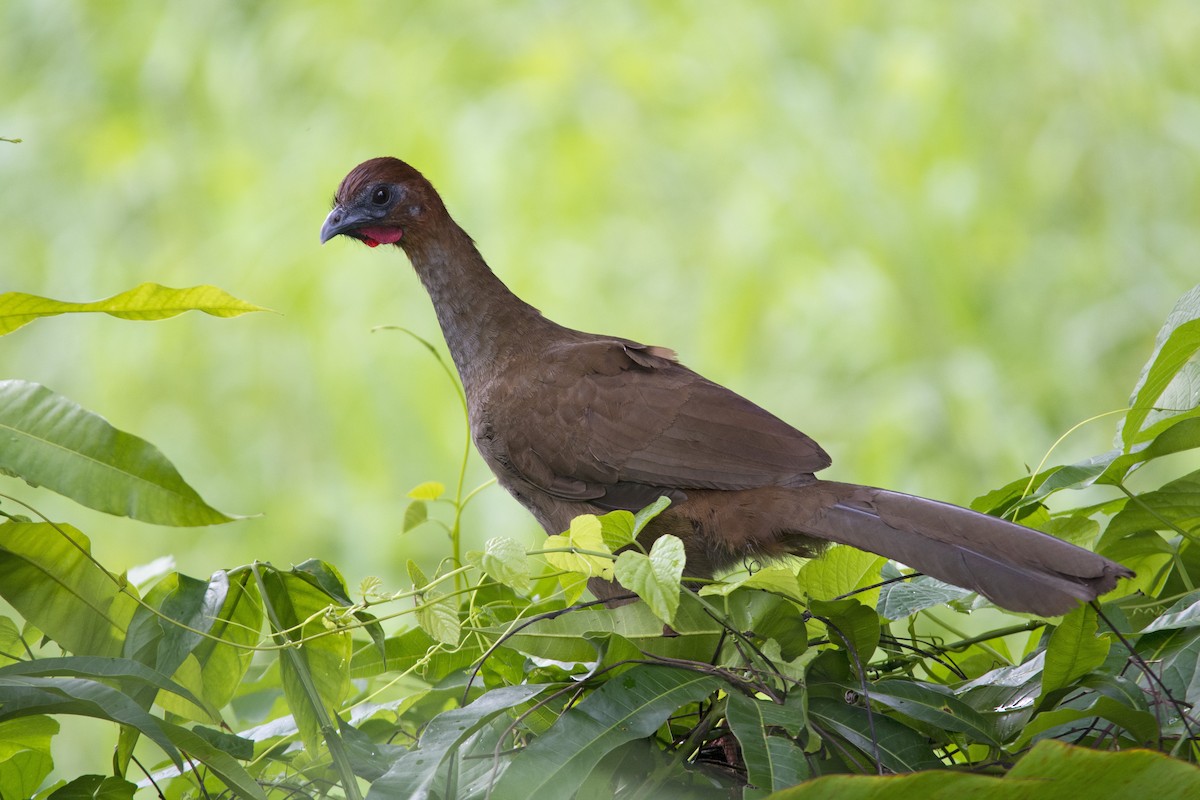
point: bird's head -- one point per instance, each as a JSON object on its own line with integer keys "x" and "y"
{"x": 383, "y": 201}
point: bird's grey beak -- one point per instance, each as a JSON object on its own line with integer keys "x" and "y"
{"x": 340, "y": 221}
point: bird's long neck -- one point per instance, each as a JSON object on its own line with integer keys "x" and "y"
{"x": 481, "y": 319}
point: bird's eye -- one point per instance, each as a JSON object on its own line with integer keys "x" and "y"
{"x": 381, "y": 196}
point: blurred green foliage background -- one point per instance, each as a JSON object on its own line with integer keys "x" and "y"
{"x": 932, "y": 235}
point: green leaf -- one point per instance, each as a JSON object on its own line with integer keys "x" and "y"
{"x": 225, "y": 654}
{"x": 25, "y": 758}
{"x": 149, "y": 301}
{"x": 620, "y": 528}
{"x": 1051, "y": 771}
{"x": 430, "y": 490}
{"x": 935, "y": 705}
{"x": 46, "y": 574}
{"x": 95, "y": 787}
{"x": 852, "y": 625}
{"x": 322, "y": 662}
{"x": 53, "y": 442}
{"x": 1141, "y": 725}
{"x": 1073, "y": 651}
{"x": 631, "y": 706}
{"x": 413, "y": 773}
{"x": 1184, "y": 613}
{"x": 1176, "y": 503}
{"x": 897, "y": 747}
{"x": 772, "y": 762}
{"x": 34, "y": 695}
{"x": 1169, "y": 381}
{"x": 201, "y": 748}
{"x": 585, "y": 534}
{"x": 415, "y": 514}
{"x": 905, "y": 598}
{"x": 504, "y": 559}
{"x": 438, "y": 616}
{"x": 655, "y": 578}
{"x": 841, "y": 571}
{"x": 785, "y": 622}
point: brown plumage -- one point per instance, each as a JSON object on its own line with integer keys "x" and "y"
{"x": 574, "y": 423}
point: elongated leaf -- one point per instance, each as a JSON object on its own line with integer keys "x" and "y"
{"x": 935, "y": 705}
{"x": 127, "y": 671}
{"x": 772, "y": 762}
{"x": 413, "y": 773}
{"x": 322, "y": 662}
{"x": 27, "y": 694}
{"x": 1141, "y": 726}
{"x": 223, "y": 765}
{"x": 1169, "y": 381}
{"x": 224, "y": 655}
{"x": 1074, "y": 650}
{"x": 1051, "y": 771}
{"x": 898, "y": 747}
{"x": 629, "y": 707}
{"x": 53, "y": 442}
{"x": 841, "y": 571}
{"x": 149, "y": 301}
{"x": 46, "y": 575}
{"x": 905, "y": 598}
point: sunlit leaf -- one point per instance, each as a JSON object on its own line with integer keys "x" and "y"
{"x": 53, "y": 442}
{"x": 25, "y": 757}
{"x": 46, "y": 574}
{"x": 429, "y": 491}
{"x": 149, "y": 301}
{"x": 504, "y": 559}
{"x": 655, "y": 578}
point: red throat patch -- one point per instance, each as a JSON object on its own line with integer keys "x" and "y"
{"x": 375, "y": 236}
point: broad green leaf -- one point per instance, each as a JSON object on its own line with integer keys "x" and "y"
{"x": 411, "y": 649}
{"x": 1074, "y": 650}
{"x": 428, "y": 491}
{"x": 225, "y": 654}
{"x": 25, "y": 758}
{"x": 905, "y": 598}
{"x": 1170, "y": 380}
{"x": 785, "y": 622}
{"x": 223, "y": 765}
{"x": 413, "y": 773}
{"x": 46, "y": 574}
{"x": 1051, "y": 771}
{"x": 841, "y": 571}
{"x": 53, "y": 442}
{"x": 772, "y": 762}
{"x": 1140, "y": 725}
{"x": 585, "y": 534}
{"x": 415, "y": 514}
{"x": 935, "y": 705}
{"x": 1185, "y": 613}
{"x": 780, "y": 579}
{"x": 322, "y": 664}
{"x": 852, "y": 625}
{"x": 438, "y": 616}
{"x": 192, "y": 604}
{"x": 26, "y": 695}
{"x": 621, "y": 528}
{"x": 127, "y": 672}
{"x": 504, "y": 559}
{"x": 1102, "y": 775}
{"x": 1176, "y": 503}
{"x": 95, "y": 787}
{"x": 897, "y": 747}
{"x": 628, "y": 707}
{"x": 149, "y": 301}
{"x": 655, "y": 578}
{"x": 11, "y": 642}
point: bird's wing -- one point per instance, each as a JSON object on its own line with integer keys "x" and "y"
{"x": 614, "y": 422}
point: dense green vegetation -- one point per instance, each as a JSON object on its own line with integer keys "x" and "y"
{"x": 491, "y": 679}
{"x": 934, "y": 236}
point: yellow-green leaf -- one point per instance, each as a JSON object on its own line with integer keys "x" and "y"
{"x": 150, "y": 301}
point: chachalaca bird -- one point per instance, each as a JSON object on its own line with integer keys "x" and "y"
{"x": 575, "y": 423}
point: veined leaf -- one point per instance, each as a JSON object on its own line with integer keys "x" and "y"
{"x": 656, "y": 577}
{"x": 628, "y": 707}
{"x": 45, "y": 573}
{"x": 1169, "y": 382}
{"x": 53, "y": 442}
{"x": 150, "y": 301}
